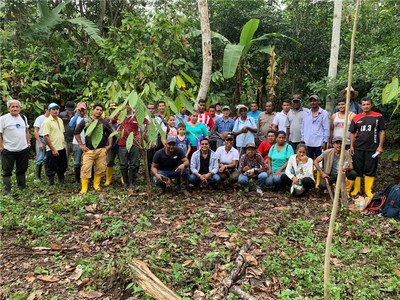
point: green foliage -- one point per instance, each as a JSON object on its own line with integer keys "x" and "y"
{"x": 391, "y": 93}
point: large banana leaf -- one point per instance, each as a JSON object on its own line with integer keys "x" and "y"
{"x": 89, "y": 27}
{"x": 232, "y": 54}
{"x": 390, "y": 91}
{"x": 248, "y": 31}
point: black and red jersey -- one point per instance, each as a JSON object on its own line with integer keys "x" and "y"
{"x": 367, "y": 128}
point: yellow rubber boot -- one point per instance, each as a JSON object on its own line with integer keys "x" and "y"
{"x": 84, "y": 184}
{"x": 109, "y": 176}
{"x": 357, "y": 187}
{"x": 368, "y": 184}
{"x": 318, "y": 180}
{"x": 96, "y": 183}
{"x": 349, "y": 186}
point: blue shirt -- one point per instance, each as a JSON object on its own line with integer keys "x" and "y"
{"x": 249, "y": 136}
{"x": 315, "y": 130}
{"x": 181, "y": 119}
{"x": 222, "y": 126}
{"x": 254, "y": 115}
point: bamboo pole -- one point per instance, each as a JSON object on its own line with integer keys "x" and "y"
{"x": 328, "y": 247}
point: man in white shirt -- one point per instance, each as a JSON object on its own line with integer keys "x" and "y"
{"x": 228, "y": 158}
{"x": 40, "y": 145}
{"x": 279, "y": 122}
{"x": 14, "y": 145}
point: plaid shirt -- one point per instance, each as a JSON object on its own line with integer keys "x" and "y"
{"x": 256, "y": 162}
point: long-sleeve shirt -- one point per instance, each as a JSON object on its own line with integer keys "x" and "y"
{"x": 315, "y": 130}
{"x": 257, "y": 162}
{"x": 195, "y": 162}
{"x": 300, "y": 170}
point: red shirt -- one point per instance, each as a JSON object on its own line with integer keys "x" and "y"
{"x": 128, "y": 125}
{"x": 263, "y": 149}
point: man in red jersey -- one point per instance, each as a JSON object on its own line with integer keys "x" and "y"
{"x": 366, "y": 143}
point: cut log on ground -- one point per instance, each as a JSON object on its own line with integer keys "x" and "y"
{"x": 150, "y": 283}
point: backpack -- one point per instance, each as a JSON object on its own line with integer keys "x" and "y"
{"x": 387, "y": 202}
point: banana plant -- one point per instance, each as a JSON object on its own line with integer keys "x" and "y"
{"x": 236, "y": 55}
{"x": 391, "y": 93}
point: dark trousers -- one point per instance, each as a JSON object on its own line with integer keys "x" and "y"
{"x": 313, "y": 152}
{"x": 307, "y": 182}
{"x": 364, "y": 164}
{"x": 56, "y": 164}
{"x": 351, "y": 175}
{"x": 9, "y": 159}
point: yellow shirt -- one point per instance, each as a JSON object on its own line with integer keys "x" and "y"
{"x": 54, "y": 128}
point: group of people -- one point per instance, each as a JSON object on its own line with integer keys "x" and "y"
{"x": 203, "y": 148}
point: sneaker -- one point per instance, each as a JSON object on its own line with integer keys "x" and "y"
{"x": 259, "y": 191}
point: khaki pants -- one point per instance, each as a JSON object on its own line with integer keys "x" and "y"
{"x": 94, "y": 157}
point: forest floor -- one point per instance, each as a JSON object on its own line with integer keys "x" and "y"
{"x": 56, "y": 244}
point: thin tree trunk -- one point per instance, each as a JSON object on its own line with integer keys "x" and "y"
{"x": 328, "y": 247}
{"x": 206, "y": 48}
{"x": 102, "y": 12}
{"x": 335, "y": 43}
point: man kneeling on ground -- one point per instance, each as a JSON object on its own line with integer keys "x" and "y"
{"x": 169, "y": 163}
{"x": 331, "y": 159}
{"x": 204, "y": 166}
{"x": 228, "y": 158}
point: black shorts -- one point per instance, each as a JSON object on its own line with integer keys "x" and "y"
{"x": 364, "y": 164}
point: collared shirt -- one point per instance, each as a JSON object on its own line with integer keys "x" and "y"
{"x": 315, "y": 130}
{"x": 293, "y": 122}
{"x": 206, "y": 119}
{"x": 222, "y": 125}
{"x": 256, "y": 162}
{"x": 226, "y": 157}
{"x": 280, "y": 121}
{"x": 54, "y": 128}
{"x": 264, "y": 124}
{"x": 244, "y": 138}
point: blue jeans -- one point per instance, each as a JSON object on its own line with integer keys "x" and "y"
{"x": 77, "y": 155}
{"x": 244, "y": 180}
{"x": 40, "y": 155}
{"x": 274, "y": 180}
{"x": 215, "y": 179}
{"x": 171, "y": 175}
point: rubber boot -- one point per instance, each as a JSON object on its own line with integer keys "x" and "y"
{"x": 51, "y": 180}
{"x": 38, "y": 172}
{"x": 349, "y": 186}
{"x": 125, "y": 177}
{"x": 84, "y": 185}
{"x": 21, "y": 181}
{"x": 109, "y": 176}
{"x": 7, "y": 184}
{"x": 368, "y": 184}
{"x": 61, "y": 178}
{"x": 132, "y": 178}
{"x": 96, "y": 183}
{"x": 318, "y": 180}
{"x": 357, "y": 187}
{"x": 77, "y": 173}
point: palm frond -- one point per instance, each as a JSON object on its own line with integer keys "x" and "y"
{"x": 89, "y": 27}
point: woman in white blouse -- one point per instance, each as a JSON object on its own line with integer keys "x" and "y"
{"x": 299, "y": 172}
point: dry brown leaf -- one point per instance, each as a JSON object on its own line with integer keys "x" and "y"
{"x": 281, "y": 208}
{"x": 337, "y": 262}
{"x": 30, "y": 279}
{"x": 82, "y": 283}
{"x": 90, "y": 294}
{"x": 199, "y": 295}
{"x": 36, "y": 295}
{"x": 326, "y": 218}
{"x": 48, "y": 278}
{"x": 233, "y": 237}
{"x": 77, "y": 273}
{"x": 55, "y": 246}
{"x": 187, "y": 262}
{"x": 364, "y": 250}
{"x": 397, "y": 272}
{"x": 222, "y": 234}
{"x": 250, "y": 259}
{"x": 264, "y": 230}
{"x": 91, "y": 208}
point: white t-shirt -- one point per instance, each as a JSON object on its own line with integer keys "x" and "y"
{"x": 13, "y": 130}
{"x": 226, "y": 157}
{"x": 38, "y": 123}
{"x": 280, "y": 121}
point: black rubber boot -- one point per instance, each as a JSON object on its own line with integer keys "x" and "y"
{"x": 125, "y": 177}
{"x": 77, "y": 173}
{"x": 38, "y": 172}
{"x": 21, "y": 181}
{"x": 132, "y": 177}
{"x": 7, "y": 185}
{"x": 51, "y": 180}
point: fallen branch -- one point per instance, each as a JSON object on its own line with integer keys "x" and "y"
{"x": 220, "y": 292}
{"x": 150, "y": 283}
{"x": 242, "y": 294}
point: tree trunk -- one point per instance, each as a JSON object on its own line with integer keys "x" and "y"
{"x": 335, "y": 43}
{"x": 102, "y": 13}
{"x": 206, "y": 49}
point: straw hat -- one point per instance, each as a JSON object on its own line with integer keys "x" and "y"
{"x": 343, "y": 93}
